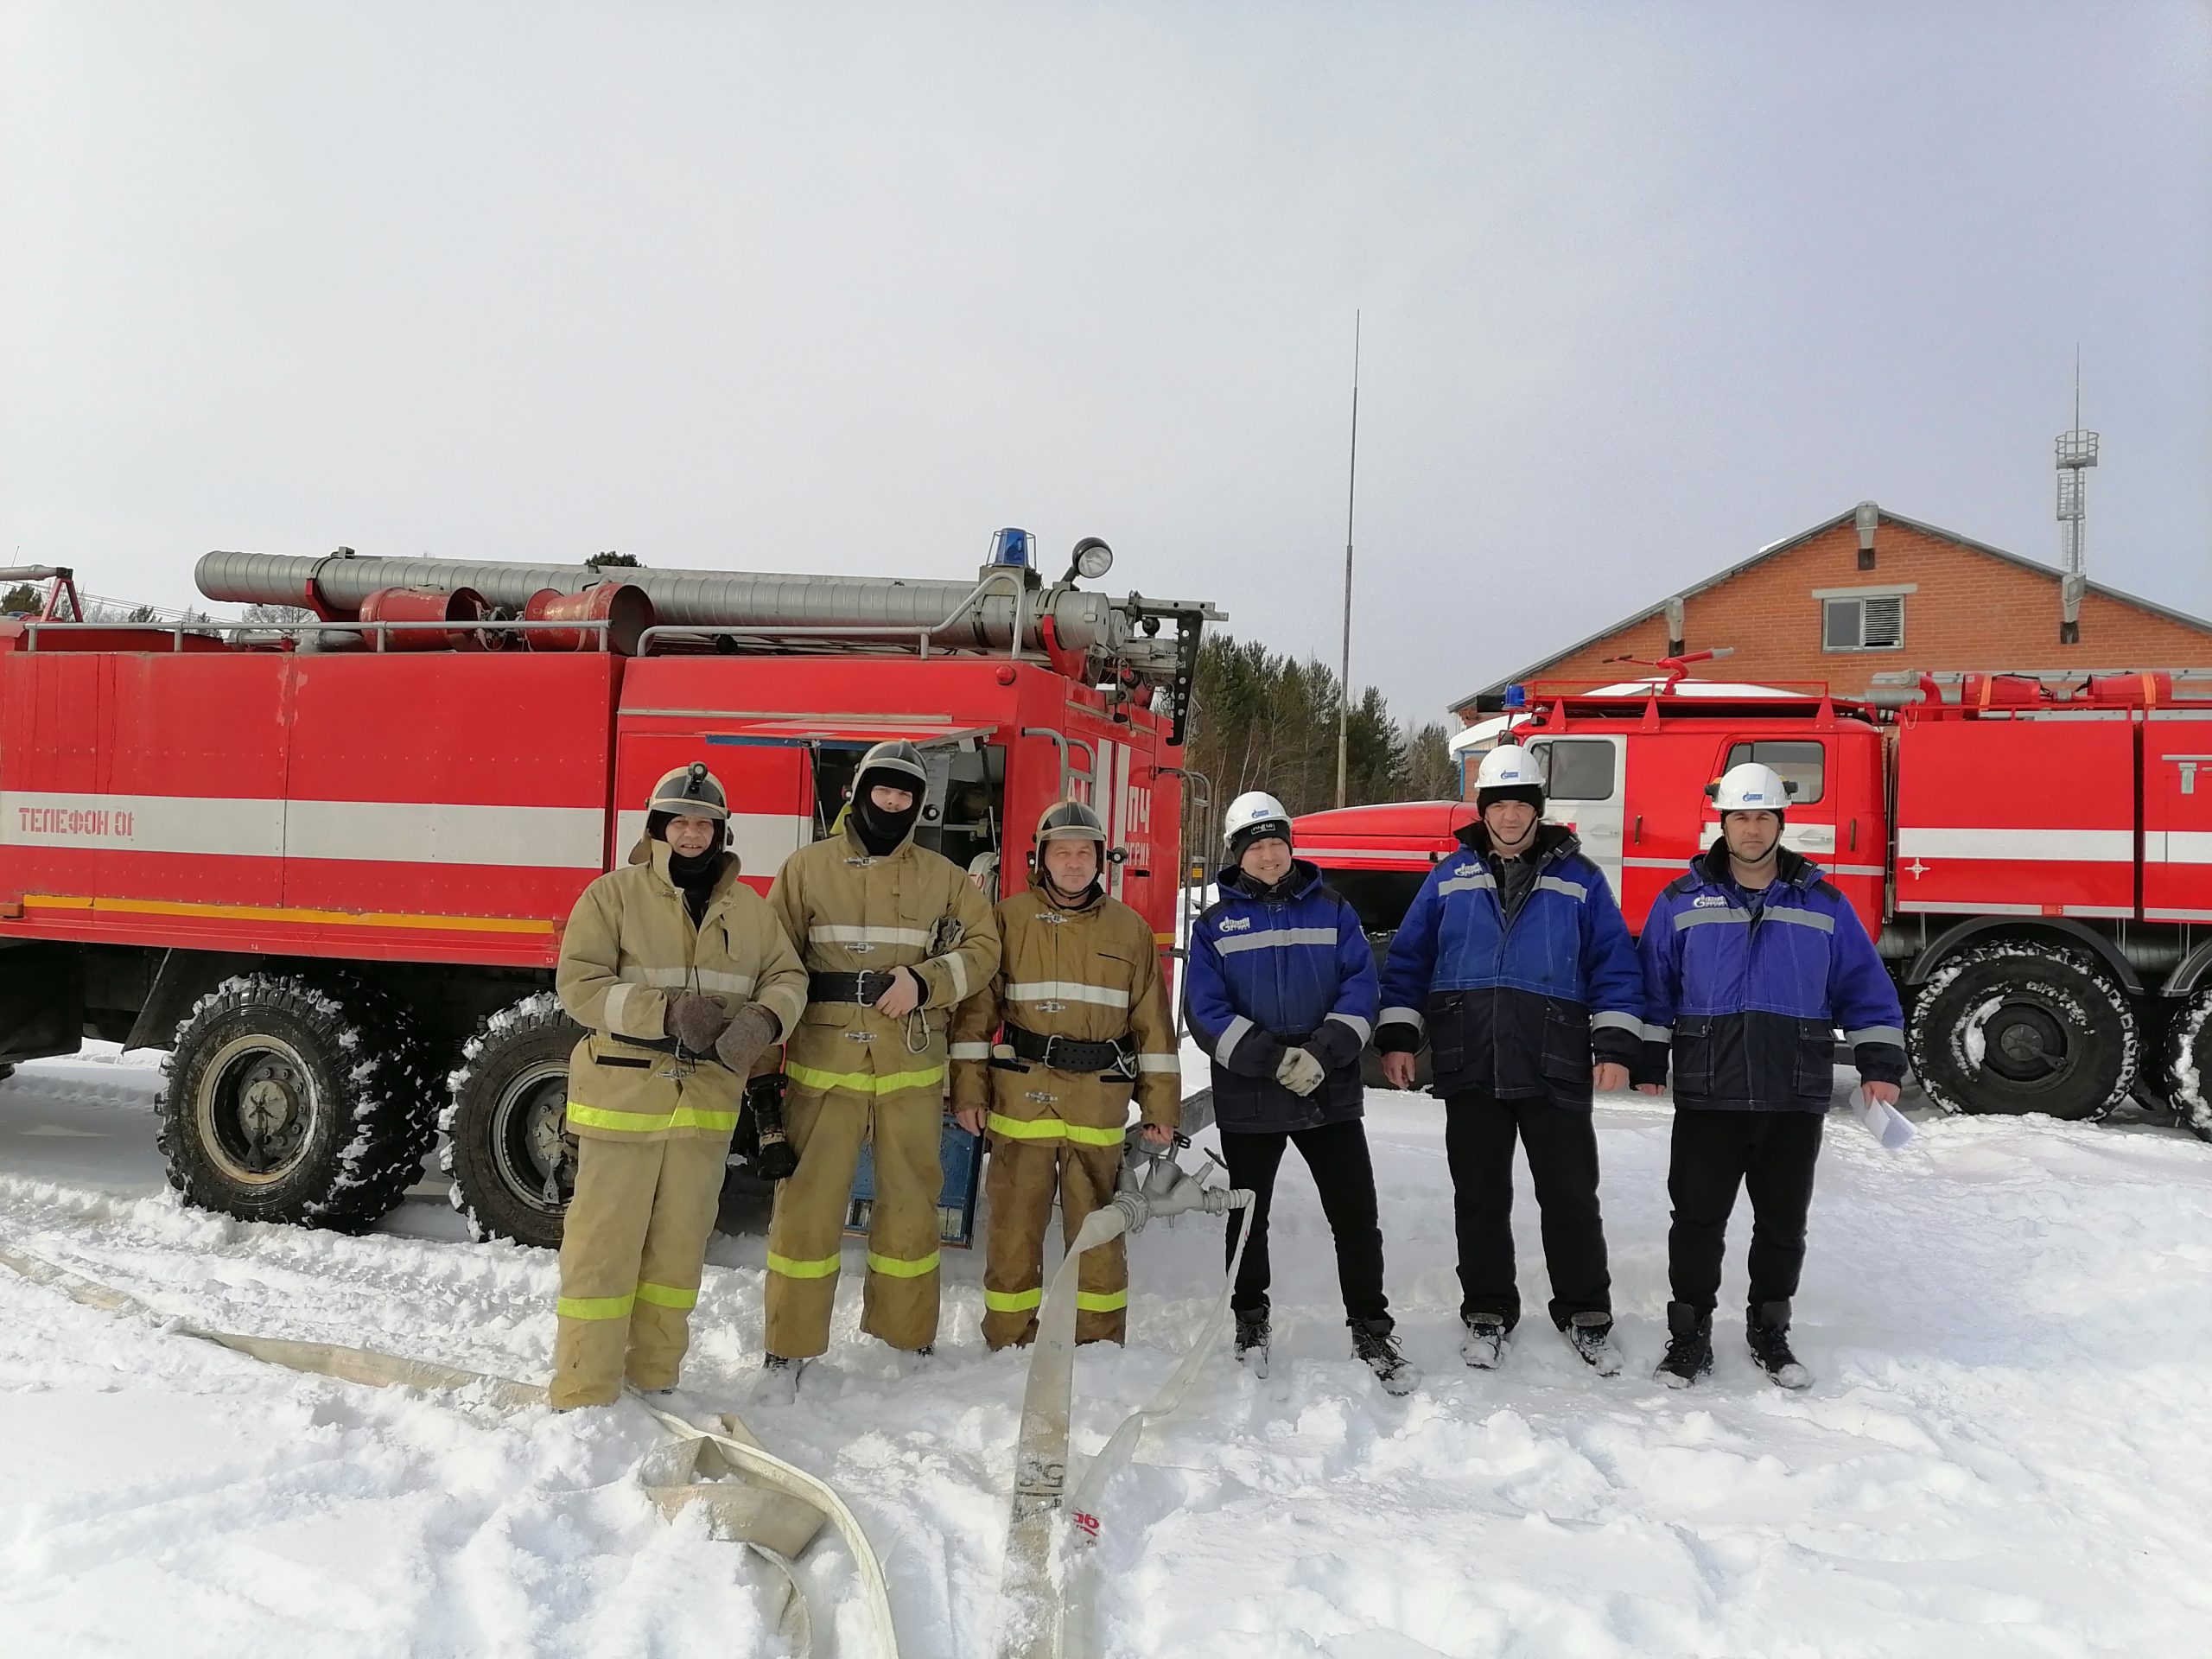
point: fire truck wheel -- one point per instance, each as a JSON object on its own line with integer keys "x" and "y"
{"x": 512, "y": 1169}
{"x": 2019, "y": 1025}
{"x": 2188, "y": 1063}
{"x": 296, "y": 1100}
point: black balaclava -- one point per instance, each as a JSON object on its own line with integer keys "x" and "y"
{"x": 694, "y": 877}
{"x": 880, "y": 832}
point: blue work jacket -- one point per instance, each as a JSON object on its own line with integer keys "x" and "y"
{"x": 1289, "y": 969}
{"x": 1745, "y": 992}
{"x": 1515, "y": 1006}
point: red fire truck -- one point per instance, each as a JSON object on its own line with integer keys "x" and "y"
{"x": 2032, "y": 853}
{"x": 327, "y": 862}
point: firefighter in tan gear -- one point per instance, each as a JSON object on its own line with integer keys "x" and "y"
{"x": 1081, "y": 1024}
{"x": 681, "y": 976}
{"x": 894, "y": 937}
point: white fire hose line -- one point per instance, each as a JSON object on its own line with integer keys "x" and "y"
{"x": 1047, "y": 1603}
{"x": 774, "y": 1508}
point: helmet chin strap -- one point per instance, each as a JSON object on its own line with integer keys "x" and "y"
{"x": 1770, "y": 858}
{"x": 1067, "y": 900}
{"x": 1497, "y": 843}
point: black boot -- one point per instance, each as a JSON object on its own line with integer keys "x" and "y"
{"x": 1484, "y": 1346}
{"x": 1766, "y": 1328}
{"x": 1591, "y": 1335}
{"x": 1372, "y": 1343}
{"x": 1689, "y": 1346}
{"x": 1252, "y": 1341}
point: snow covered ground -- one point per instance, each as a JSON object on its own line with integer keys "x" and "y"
{"x": 2007, "y": 1453}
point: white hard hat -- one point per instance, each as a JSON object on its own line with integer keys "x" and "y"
{"x": 1508, "y": 766}
{"x": 1752, "y": 788}
{"x": 1254, "y": 815}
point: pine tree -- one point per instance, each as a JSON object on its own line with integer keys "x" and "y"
{"x": 1263, "y": 720}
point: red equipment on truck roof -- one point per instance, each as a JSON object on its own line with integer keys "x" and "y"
{"x": 2032, "y": 853}
{"x": 328, "y": 861}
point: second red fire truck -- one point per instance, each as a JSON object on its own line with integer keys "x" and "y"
{"x": 2033, "y": 855}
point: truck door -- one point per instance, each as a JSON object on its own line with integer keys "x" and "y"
{"x": 1585, "y": 788}
{"x": 2177, "y": 817}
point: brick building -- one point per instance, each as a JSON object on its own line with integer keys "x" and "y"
{"x": 1867, "y": 593}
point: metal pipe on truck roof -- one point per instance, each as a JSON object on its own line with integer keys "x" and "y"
{"x": 1081, "y": 622}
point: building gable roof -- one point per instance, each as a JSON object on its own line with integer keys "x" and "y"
{"x": 1496, "y": 689}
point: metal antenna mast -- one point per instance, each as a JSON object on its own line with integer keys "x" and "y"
{"x": 2077, "y": 453}
{"x": 1351, "y": 495}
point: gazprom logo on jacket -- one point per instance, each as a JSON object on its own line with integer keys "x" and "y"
{"x": 1709, "y": 901}
{"x": 1235, "y": 924}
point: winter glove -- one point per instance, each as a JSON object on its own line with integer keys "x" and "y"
{"x": 695, "y": 1021}
{"x": 1299, "y": 1072}
{"x": 752, "y": 1029}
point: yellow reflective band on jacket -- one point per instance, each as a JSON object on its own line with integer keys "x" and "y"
{"x": 1012, "y": 1301}
{"x": 897, "y": 1268}
{"x": 668, "y": 1296}
{"x": 1052, "y": 1128}
{"x": 1101, "y": 1302}
{"x": 791, "y": 1269}
{"x": 677, "y": 1117}
{"x": 594, "y": 1308}
{"x": 863, "y": 1083}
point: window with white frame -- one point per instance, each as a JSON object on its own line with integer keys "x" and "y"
{"x": 1863, "y": 622}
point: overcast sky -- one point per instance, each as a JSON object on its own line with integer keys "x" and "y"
{"x": 825, "y": 288}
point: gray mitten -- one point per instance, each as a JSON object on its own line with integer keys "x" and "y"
{"x": 752, "y": 1029}
{"x": 1299, "y": 1072}
{"x": 695, "y": 1021}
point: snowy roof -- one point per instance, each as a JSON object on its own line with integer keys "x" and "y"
{"x": 1822, "y": 529}
{"x": 1487, "y": 731}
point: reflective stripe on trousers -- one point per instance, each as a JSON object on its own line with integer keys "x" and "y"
{"x": 676, "y": 1118}
{"x": 1053, "y": 1129}
{"x": 1022, "y": 1175}
{"x": 1021, "y": 1301}
{"x": 828, "y": 1127}
{"x": 863, "y": 1083}
{"x": 633, "y": 1248}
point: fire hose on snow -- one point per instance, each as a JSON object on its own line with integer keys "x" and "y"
{"x": 1049, "y": 1584}
{"x": 752, "y": 1497}
{"x": 773, "y": 1508}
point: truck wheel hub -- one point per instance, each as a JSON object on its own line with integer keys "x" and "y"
{"x": 529, "y": 1138}
{"x": 256, "y": 1108}
{"x": 2028, "y": 1044}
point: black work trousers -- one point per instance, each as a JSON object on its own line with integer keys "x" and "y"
{"x": 1772, "y": 1154}
{"x": 1336, "y": 1155}
{"x": 1479, "y": 1132}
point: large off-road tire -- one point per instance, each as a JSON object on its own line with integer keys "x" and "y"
{"x": 2020, "y": 1026}
{"x": 513, "y": 1168}
{"x": 295, "y": 1099}
{"x": 2188, "y": 1063}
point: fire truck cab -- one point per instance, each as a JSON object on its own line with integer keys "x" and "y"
{"x": 327, "y": 862}
{"x": 2032, "y": 853}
